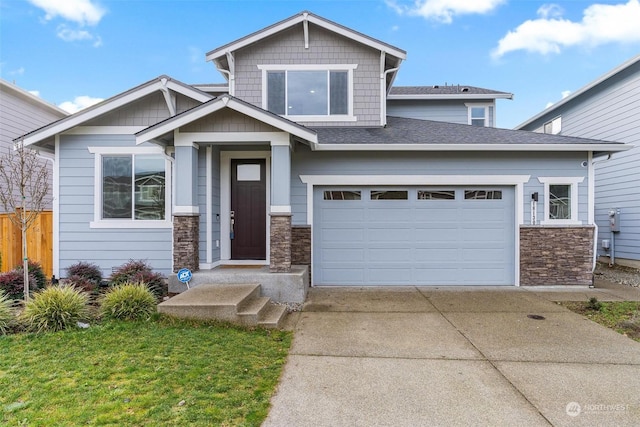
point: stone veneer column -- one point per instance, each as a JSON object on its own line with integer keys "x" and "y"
{"x": 556, "y": 255}
{"x": 301, "y": 246}
{"x": 280, "y": 237}
{"x": 186, "y": 229}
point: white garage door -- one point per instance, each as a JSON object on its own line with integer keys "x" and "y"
{"x": 413, "y": 236}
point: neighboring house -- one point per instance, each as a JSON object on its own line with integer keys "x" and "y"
{"x": 607, "y": 109}
{"x": 299, "y": 163}
{"x": 22, "y": 112}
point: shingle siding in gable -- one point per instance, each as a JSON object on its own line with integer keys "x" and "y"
{"x": 227, "y": 121}
{"x": 324, "y": 48}
{"x": 144, "y": 112}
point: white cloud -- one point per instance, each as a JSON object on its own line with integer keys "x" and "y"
{"x": 35, "y": 93}
{"x": 79, "y": 103}
{"x": 550, "y": 33}
{"x": 82, "y": 12}
{"x": 564, "y": 94}
{"x": 444, "y": 10}
{"x": 70, "y": 35}
{"x": 17, "y": 72}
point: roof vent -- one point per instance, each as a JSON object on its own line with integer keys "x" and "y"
{"x": 436, "y": 87}
{"x": 465, "y": 89}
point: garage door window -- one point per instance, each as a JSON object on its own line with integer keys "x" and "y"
{"x": 436, "y": 195}
{"x": 389, "y": 195}
{"x": 483, "y": 195}
{"x": 341, "y": 195}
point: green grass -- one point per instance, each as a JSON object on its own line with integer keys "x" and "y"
{"x": 612, "y": 315}
{"x": 138, "y": 373}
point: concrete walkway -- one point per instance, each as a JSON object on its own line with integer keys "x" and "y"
{"x": 456, "y": 356}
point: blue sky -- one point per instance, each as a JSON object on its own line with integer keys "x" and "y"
{"x": 74, "y": 52}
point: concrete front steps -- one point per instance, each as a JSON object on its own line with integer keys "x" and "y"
{"x": 235, "y": 303}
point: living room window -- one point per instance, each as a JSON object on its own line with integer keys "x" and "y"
{"x": 309, "y": 92}
{"x": 561, "y": 199}
{"x": 132, "y": 189}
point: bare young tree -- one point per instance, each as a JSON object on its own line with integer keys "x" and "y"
{"x": 24, "y": 184}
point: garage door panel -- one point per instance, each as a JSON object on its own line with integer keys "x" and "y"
{"x": 330, "y": 235}
{"x": 386, "y": 254}
{"x": 343, "y": 254}
{"x": 414, "y": 242}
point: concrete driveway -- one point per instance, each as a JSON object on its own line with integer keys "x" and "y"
{"x": 452, "y": 356}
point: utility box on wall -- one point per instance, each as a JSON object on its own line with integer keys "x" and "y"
{"x": 614, "y": 219}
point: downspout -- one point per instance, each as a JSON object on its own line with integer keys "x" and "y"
{"x": 595, "y": 231}
{"x": 383, "y": 94}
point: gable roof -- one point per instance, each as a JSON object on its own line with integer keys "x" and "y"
{"x": 445, "y": 92}
{"x": 160, "y": 83}
{"x": 301, "y": 17}
{"x": 403, "y": 134}
{"x": 619, "y": 69}
{"x": 7, "y": 87}
{"x": 225, "y": 101}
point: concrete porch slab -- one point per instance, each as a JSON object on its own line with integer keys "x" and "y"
{"x": 606, "y": 395}
{"x": 408, "y": 335}
{"x": 280, "y": 287}
{"x": 339, "y": 391}
{"x": 561, "y": 337}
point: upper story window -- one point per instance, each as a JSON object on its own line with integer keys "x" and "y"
{"x": 554, "y": 126}
{"x": 309, "y": 92}
{"x": 478, "y": 116}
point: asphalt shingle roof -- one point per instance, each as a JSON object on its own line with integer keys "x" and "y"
{"x": 443, "y": 90}
{"x": 413, "y": 131}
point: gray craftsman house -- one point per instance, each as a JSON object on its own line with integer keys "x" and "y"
{"x": 607, "y": 108}
{"x": 308, "y": 160}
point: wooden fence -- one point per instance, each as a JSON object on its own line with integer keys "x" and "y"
{"x": 39, "y": 243}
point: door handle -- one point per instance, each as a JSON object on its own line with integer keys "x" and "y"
{"x": 233, "y": 221}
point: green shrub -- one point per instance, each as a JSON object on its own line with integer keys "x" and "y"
{"x": 128, "y": 301}
{"x": 7, "y": 317}
{"x": 35, "y": 271}
{"x": 12, "y": 283}
{"x": 140, "y": 272}
{"x": 85, "y": 270}
{"x": 55, "y": 308}
{"x": 594, "y": 304}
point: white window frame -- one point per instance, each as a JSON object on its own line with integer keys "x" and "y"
{"x": 486, "y": 106}
{"x": 349, "y": 117}
{"x": 573, "y": 182}
{"x": 98, "y": 221}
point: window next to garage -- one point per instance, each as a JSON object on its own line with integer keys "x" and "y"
{"x": 309, "y": 92}
{"x": 560, "y": 200}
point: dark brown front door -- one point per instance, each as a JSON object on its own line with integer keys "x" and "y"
{"x": 248, "y": 208}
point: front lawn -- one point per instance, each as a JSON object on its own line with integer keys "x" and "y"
{"x": 622, "y": 316}
{"x": 164, "y": 372}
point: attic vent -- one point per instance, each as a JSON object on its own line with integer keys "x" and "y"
{"x": 436, "y": 87}
{"x": 465, "y": 89}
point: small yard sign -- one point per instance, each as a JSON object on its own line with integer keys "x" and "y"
{"x": 185, "y": 275}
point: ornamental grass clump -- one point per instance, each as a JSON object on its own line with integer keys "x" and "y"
{"x": 55, "y": 308}
{"x": 128, "y": 301}
{"x": 6, "y": 314}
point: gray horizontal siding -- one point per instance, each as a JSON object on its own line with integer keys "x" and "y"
{"x": 304, "y": 162}
{"x": 105, "y": 247}
{"x": 442, "y": 111}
